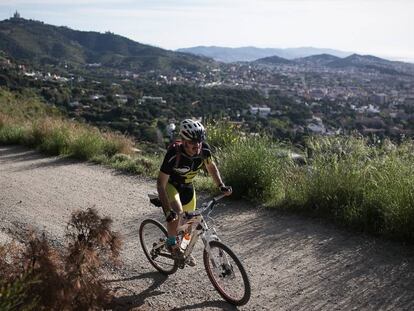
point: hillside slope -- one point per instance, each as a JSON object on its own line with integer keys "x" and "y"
{"x": 294, "y": 263}
{"x": 36, "y": 41}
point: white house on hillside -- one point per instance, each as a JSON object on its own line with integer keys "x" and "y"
{"x": 263, "y": 111}
{"x": 152, "y": 99}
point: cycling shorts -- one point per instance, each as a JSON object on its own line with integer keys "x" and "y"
{"x": 183, "y": 193}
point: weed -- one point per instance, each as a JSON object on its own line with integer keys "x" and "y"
{"x": 36, "y": 276}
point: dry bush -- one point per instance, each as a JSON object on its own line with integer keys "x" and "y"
{"x": 45, "y": 265}
{"x": 117, "y": 143}
{"x": 5, "y": 120}
{"x": 27, "y": 271}
{"x": 37, "y": 276}
{"x": 15, "y": 295}
{"x": 91, "y": 244}
{"x": 41, "y": 129}
{"x": 12, "y": 291}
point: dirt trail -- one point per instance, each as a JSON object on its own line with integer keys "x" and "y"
{"x": 294, "y": 263}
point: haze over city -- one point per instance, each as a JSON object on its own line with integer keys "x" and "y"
{"x": 383, "y": 28}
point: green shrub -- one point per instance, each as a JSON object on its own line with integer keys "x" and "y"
{"x": 24, "y": 106}
{"x": 391, "y": 194}
{"x": 125, "y": 163}
{"x": 57, "y": 141}
{"x": 205, "y": 183}
{"x": 39, "y": 130}
{"x": 87, "y": 145}
{"x": 141, "y": 165}
{"x": 114, "y": 143}
{"x": 335, "y": 183}
{"x": 221, "y": 134}
{"x": 252, "y": 168}
{"x": 10, "y": 134}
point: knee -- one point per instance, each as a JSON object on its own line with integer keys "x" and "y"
{"x": 176, "y": 207}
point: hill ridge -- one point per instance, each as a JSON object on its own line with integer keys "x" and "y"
{"x": 31, "y": 40}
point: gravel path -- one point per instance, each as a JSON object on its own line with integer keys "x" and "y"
{"x": 294, "y": 263}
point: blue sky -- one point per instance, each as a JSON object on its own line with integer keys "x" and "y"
{"x": 379, "y": 27}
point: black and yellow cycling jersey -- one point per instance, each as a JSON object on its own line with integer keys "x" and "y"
{"x": 188, "y": 167}
{"x": 182, "y": 173}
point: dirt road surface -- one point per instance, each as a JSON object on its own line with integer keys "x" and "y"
{"x": 294, "y": 263}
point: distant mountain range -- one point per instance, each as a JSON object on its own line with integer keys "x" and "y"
{"x": 35, "y": 41}
{"x": 248, "y": 54}
{"x": 356, "y": 61}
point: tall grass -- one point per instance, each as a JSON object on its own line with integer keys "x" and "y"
{"x": 60, "y": 137}
{"x": 336, "y": 178}
{"x": 367, "y": 187}
{"x": 390, "y": 193}
{"x": 254, "y": 171}
{"x": 222, "y": 134}
{"x": 57, "y": 136}
{"x": 26, "y": 120}
{"x": 147, "y": 165}
{"x": 25, "y": 105}
{"x": 51, "y": 136}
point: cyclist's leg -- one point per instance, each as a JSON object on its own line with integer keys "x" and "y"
{"x": 176, "y": 206}
{"x": 189, "y": 202}
{"x": 188, "y": 198}
{"x": 180, "y": 199}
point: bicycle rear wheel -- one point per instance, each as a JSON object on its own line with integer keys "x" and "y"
{"x": 227, "y": 274}
{"x": 152, "y": 236}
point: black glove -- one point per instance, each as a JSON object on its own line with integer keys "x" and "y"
{"x": 224, "y": 188}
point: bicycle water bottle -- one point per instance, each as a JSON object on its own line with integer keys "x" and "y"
{"x": 185, "y": 241}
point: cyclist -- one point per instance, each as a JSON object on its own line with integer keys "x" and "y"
{"x": 174, "y": 184}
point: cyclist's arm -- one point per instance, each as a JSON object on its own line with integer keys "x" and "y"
{"x": 162, "y": 192}
{"x": 214, "y": 173}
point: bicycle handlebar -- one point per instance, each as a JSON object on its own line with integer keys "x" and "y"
{"x": 205, "y": 206}
{"x": 218, "y": 198}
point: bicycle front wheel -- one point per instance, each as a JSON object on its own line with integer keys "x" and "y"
{"x": 153, "y": 236}
{"x": 227, "y": 273}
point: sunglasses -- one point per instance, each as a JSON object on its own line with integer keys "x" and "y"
{"x": 194, "y": 142}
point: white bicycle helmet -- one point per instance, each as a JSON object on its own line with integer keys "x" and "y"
{"x": 192, "y": 130}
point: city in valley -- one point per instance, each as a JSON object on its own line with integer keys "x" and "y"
{"x": 288, "y": 99}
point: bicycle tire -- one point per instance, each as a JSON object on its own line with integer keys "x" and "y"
{"x": 214, "y": 279}
{"x": 147, "y": 227}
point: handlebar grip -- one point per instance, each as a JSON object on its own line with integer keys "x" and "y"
{"x": 225, "y": 188}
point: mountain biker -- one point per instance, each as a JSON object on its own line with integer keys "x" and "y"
{"x": 174, "y": 184}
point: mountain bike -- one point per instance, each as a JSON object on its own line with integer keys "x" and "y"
{"x": 223, "y": 267}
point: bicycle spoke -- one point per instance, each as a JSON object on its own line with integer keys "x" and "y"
{"x": 152, "y": 236}
{"x": 229, "y": 279}
{"x": 227, "y": 274}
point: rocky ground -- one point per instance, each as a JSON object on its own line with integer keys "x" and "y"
{"x": 294, "y": 263}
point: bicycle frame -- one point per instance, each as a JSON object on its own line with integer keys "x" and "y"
{"x": 197, "y": 226}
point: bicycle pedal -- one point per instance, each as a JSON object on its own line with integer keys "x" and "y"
{"x": 191, "y": 261}
{"x": 181, "y": 264}
{"x": 176, "y": 253}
